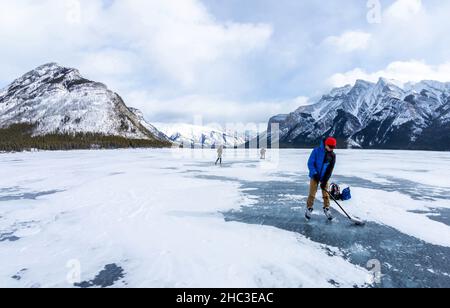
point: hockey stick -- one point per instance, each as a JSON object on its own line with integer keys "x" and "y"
{"x": 356, "y": 221}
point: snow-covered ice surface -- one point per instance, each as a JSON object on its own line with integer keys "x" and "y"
{"x": 170, "y": 218}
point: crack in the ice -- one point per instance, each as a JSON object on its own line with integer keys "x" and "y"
{"x": 111, "y": 274}
{"x": 415, "y": 190}
{"x": 8, "y": 237}
{"x": 25, "y": 195}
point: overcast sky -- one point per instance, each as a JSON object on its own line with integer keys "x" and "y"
{"x": 227, "y": 60}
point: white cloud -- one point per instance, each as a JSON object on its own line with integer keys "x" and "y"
{"x": 300, "y": 101}
{"x": 174, "y": 47}
{"x": 174, "y": 50}
{"x": 402, "y": 71}
{"x": 350, "y": 41}
{"x": 182, "y": 41}
{"x": 177, "y": 41}
{"x": 210, "y": 108}
{"x": 404, "y": 10}
{"x": 108, "y": 62}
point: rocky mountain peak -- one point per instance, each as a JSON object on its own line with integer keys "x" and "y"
{"x": 59, "y": 100}
{"x": 385, "y": 114}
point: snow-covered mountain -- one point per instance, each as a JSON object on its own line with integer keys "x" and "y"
{"x": 57, "y": 99}
{"x": 200, "y": 136}
{"x": 385, "y": 115}
{"x": 151, "y": 128}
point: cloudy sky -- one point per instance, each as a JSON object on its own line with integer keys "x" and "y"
{"x": 226, "y": 60}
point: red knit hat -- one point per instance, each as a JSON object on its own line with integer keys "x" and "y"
{"x": 331, "y": 142}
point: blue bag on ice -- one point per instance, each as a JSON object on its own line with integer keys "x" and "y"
{"x": 346, "y": 194}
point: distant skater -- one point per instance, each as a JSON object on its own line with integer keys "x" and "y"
{"x": 219, "y": 155}
{"x": 263, "y": 153}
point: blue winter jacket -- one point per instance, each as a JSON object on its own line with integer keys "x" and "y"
{"x": 317, "y": 165}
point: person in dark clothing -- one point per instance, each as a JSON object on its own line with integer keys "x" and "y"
{"x": 321, "y": 166}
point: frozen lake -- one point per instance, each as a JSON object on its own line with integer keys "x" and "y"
{"x": 170, "y": 218}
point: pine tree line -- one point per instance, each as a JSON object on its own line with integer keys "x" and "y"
{"x": 18, "y": 137}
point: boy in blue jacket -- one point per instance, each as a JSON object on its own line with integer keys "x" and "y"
{"x": 321, "y": 166}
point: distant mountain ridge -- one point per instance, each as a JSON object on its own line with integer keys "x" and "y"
{"x": 382, "y": 115}
{"x": 188, "y": 135}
